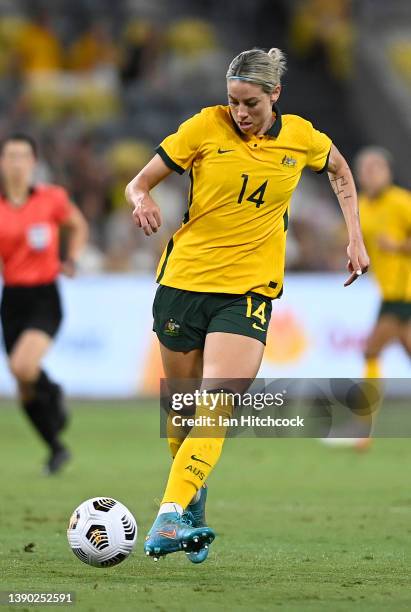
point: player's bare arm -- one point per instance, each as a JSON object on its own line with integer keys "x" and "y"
{"x": 77, "y": 238}
{"x": 343, "y": 185}
{"x": 146, "y": 213}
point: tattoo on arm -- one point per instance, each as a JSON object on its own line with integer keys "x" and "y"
{"x": 338, "y": 183}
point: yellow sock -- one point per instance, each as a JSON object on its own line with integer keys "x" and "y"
{"x": 372, "y": 368}
{"x": 372, "y": 390}
{"x": 175, "y": 435}
{"x": 199, "y": 452}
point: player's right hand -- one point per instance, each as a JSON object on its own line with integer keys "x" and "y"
{"x": 358, "y": 261}
{"x": 354, "y": 274}
{"x": 146, "y": 214}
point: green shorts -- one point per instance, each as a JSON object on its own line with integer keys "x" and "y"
{"x": 399, "y": 310}
{"x": 182, "y": 319}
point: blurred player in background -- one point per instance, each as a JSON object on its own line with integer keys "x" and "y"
{"x": 30, "y": 218}
{"x": 386, "y": 222}
{"x": 225, "y": 264}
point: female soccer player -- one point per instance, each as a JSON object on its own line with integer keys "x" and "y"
{"x": 225, "y": 264}
{"x": 30, "y": 218}
{"x": 386, "y": 220}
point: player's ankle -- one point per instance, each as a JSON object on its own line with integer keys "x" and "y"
{"x": 170, "y": 507}
{"x": 196, "y": 497}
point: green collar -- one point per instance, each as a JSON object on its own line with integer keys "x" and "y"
{"x": 278, "y": 123}
{"x": 274, "y": 129}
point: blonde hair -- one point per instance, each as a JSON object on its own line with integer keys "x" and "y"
{"x": 259, "y": 67}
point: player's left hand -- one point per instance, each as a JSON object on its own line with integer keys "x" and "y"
{"x": 68, "y": 268}
{"x": 358, "y": 261}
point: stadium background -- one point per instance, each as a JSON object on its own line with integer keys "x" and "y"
{"x": 100, "y": 83}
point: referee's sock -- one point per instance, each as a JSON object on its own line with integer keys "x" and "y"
{"x": 46, "y": 411}
{"x": 38, "y": 415}
{"x": 51, "y": 395}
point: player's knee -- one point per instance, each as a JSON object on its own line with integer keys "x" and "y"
{"x": 24, "y": 371}
{"x": 371, "y": 349}
{"x": 371, "y": 354}
{"x": 221, "y": 401}
{"x": 407, "y": 347}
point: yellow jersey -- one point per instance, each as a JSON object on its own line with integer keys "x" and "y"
{"x": 233, "y": 235}
{"x": 389, "y": 214}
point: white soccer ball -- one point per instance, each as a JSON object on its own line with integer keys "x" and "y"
{"x": 102, "y": 532}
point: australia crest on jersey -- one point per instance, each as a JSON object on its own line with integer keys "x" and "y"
{"x": 290, "y": 162}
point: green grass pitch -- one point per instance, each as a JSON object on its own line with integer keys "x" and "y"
{"x": 300, "y": 527}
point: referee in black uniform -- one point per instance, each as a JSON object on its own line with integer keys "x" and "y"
{"x": 30, "y": 220}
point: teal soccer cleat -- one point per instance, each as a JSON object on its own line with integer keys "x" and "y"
{"x": 196, "y": 514}
{"x": 171, "y": 532}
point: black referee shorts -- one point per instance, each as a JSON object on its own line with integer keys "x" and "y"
{"x": 23, "y": 308}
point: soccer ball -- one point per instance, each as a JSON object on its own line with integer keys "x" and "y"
{"x": 102, "y": 532}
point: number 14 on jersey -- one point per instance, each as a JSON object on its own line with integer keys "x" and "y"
{"x": 257, "y": 196}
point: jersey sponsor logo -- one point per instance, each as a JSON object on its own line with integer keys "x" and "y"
{"x": 194, "y": 458}
{"x": 290, "y": 162}
{"x": 39, "y": 236}
{"x": 196, "y": 471}
{"x": 172, "y": 328}
{"x": 221, "y": 151}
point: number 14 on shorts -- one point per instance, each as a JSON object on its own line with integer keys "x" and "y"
{"x": 259, "y": 313}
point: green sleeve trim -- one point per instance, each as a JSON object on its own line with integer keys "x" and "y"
{"x": 186, "y": 217}
{"x": 324, "y": 168}
{"x": 168, "y": 161}
{"x": 285, "y": 220}
{"x": 170, "y": 246}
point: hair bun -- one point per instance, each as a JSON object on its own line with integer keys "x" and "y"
{"x": 275, "y": 53}
{"x": 278, "y": 58}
